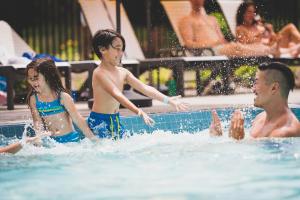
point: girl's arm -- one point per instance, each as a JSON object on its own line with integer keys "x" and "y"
{"x": 116, "y": 93}
{"x": 153, "y": 93}
{"x": 68, "y": 103}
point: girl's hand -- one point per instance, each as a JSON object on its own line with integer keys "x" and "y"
{"x": 180, "y": 106}
{"x": 148, "y": 120}
{"x": 37, "y": 139}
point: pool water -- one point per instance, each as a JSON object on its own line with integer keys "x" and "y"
{"x": 161, "y": 165}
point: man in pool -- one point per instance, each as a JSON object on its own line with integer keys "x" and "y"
{"x": 199, "y": 30}
{"x": 272, "y": 85}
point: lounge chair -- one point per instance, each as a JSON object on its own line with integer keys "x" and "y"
{"x": 13, "y": 46}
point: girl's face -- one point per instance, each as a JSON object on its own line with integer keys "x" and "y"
{"x": 249, "y": 15}
{"x": 36, "y": 80}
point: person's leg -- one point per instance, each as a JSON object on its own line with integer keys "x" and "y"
{"x": 293, "y": 51}
{"x": 288, "y": 34}
{"x": 236, "y": 49}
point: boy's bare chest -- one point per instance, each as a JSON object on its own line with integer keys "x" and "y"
{"x": 118, "y": 78}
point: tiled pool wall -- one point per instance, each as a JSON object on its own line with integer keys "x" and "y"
{"x": 191, "y": 122}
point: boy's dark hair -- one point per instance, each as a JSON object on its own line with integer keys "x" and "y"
{"x": 242, "y": 10}
{"x": 104, "y": 38}
{"x": 47, "y": 68}
{"x": 281, "y": 73}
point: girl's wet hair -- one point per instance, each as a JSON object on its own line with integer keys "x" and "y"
{"x": 242, "y": 10}
{"x": 104, "y": 38}
{"x": 48, "y": 69}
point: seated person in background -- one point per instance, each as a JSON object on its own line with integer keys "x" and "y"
{"x": 252, "y": 30}
{"x": 200, "y": 30}
{"x": 272, "y": 85}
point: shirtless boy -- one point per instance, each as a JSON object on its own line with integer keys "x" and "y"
{"x": 108, "y": 82}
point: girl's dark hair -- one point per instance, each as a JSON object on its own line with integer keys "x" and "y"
{"x": 104, "y": 38}
{"x": 242, "y": 10}
{"x": 47, "y": 68}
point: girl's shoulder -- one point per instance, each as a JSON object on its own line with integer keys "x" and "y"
{"x": 64, "y": 95}
{"x": 32, "y": 100}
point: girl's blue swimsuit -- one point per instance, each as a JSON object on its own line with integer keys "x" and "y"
{"x": 52, "y": 108}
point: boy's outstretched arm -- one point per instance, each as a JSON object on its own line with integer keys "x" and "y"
{"x": 68, "y": 103}
{"x": 154, "y": 93}
{"x": 116, "y": 93}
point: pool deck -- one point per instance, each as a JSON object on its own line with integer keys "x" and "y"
{"x": 22, "y": 113}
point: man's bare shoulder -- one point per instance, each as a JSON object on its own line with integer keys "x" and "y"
{"x": 260, "y": 117}
{"x": 290, "y": 127}
{"x": 292, "y": 130}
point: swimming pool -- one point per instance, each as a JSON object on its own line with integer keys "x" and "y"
{"x": 161, "y": 165}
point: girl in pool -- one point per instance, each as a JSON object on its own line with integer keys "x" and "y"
{"x": 52, "y": 108}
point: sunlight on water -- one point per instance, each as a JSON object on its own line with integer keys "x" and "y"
{"x": 161, "y": 165}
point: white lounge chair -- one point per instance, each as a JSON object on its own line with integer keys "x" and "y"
{"x": 12, "y": 46}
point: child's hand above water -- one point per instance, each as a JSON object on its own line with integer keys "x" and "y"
{"x": 36, "y": 140}
{"x": 180, "y": 106}
{"x": 148, "y": 120}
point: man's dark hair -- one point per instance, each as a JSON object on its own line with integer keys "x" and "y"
{"x": 281, "y": 73}
{"x": 104, "y": 38}
{"x": 241, "y": 12}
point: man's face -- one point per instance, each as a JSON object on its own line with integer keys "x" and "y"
{"x": 197, "y": 3}
{"x": 262, "y": 90}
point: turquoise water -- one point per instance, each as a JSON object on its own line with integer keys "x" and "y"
{"x": 161, "y": 165}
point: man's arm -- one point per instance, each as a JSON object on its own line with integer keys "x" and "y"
{"x": 218, "y": 28}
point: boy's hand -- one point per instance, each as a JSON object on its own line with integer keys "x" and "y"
{"x": 215, "y": 128}
{"x": 148, "y": 120}
{"x": 180, "y": 106}
{"x": 237, "y": 126}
